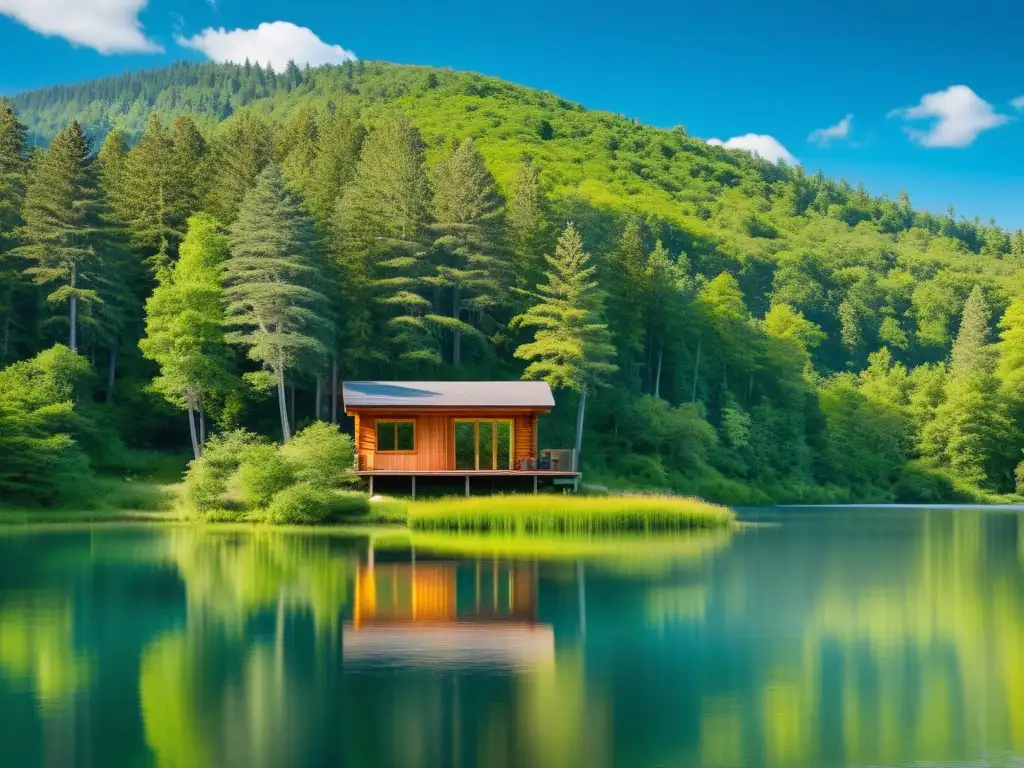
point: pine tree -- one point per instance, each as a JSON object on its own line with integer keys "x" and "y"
{"x": 185, "y": 325}
{"x": 665, "y": 301}
{"x": 624, "y": 269}
{"x": 13, "y": 171}
{"x": 274, "y": 283}
{"x": 471, "y": 269}
{"x": 189, "y": 153}
{"x": 526, "y": 228}
{"x": 295, "y": 150}
{"x": 60, "y": 215}
{"x": 972, "y": 352}
{"x": 572, "y": 346}
{"x": 1011, "y": 352}
{"x": 152, "y": 198}
{"x": 241, "y": 152}
{"x": 341, "y": 139}
{"x": 382, "y": 245}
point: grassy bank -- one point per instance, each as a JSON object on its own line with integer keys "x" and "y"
{"x": 563, "y": 514}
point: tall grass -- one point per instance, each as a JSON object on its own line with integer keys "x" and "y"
{"x": 566, "y": 514}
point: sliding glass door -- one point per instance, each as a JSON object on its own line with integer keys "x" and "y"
{"x": 483, "y": 444}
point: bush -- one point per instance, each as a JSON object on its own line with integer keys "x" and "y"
{"x": 919, "y": 483}
{"x": 301, "y": 504}
{"x": 349, "y": 504}
{"x": 321, "y": 455}
{"x": 263, "y": 472}
{"x": 206, "y": 481}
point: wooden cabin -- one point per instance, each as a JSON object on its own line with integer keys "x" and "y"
{"x": 459, "y": 429}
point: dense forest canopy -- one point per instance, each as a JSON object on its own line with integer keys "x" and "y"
{"x": 227, "y": 242}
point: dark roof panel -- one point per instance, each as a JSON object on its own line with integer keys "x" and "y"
{"x": 440, "y": 394}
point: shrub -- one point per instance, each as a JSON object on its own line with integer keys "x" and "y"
{"x": 349, "y": 504}
{"x": 321, "y": 455}
{"x": 301, "y": 504}
{"x": 262, "y": 473}
{"x": 206, "y": 481}
{"x": 919, "y": 483}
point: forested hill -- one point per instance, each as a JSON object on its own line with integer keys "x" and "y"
{"x": 776, "y": 335}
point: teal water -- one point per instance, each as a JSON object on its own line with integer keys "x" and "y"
{"x": 820, "y": 637}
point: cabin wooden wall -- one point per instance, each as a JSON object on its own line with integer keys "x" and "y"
{"x": 435, "y": 448}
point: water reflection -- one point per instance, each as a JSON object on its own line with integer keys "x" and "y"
{"x": 828, "y": 638}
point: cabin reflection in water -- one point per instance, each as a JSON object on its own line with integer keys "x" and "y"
{"x": 447, "y": 613}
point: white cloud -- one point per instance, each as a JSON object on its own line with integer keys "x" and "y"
{"x": 1017, "y": 103}
{"x": 109, "y": 26}
{"x": 275, "y": 42}
{"x": 764, "y": 146}
{"x": 959, "y": 115}
{"x": 824, "y": 136}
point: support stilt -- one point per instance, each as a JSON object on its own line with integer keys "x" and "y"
{"x": 414, "y": 487}
{"x": 534, "y": 485}
{"x": 467, "y": 486}
{"x": 371, "y": 486}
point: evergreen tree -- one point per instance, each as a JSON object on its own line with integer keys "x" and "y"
{"x": 381, "y": 248}
{"x": 189, "y": 154}
{"x": 624, "y": 269}
{"x": 972, "y": 352}
{"x": 1011, "y": 352}
{"x": 341, "y": 139}
{"x": 152, "y": 199}
{"x": 664, "y": 303}
{"x": 526, "y": 227}
{"x": 471, "y": 271}
{"x": 60, "y": 228}
{"x": 185, "y": 326}
{"x": 572, "y": 346}
{"x": 13, "y": 170}
{"x": 241, "y": 152}
{"x": 274, "y": 283}
{"x": 295, "y": 150}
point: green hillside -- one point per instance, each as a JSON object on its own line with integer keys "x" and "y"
{"x": 795, "y": 345}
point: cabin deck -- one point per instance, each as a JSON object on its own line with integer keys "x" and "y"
{"x": 536, "y": 474}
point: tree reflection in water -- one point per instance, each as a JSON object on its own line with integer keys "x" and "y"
{"x": 838, "y": 637}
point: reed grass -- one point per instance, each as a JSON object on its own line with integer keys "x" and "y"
{"x": 565, "y": 514}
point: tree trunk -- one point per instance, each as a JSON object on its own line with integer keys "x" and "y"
{"x": 192, "y": 422}
{"x": 696, "y": 365}
{"x": 580, "y": 407}
{"x": 202, "y": 423}
{"x": 457, "y": 336}
{"x": 73, "y": 323}
{"x": 111, "y": 372}
{"x": 286, "y": 432}
{"x": 334, "y": 390}
{"x": 6, "y": 342}
{"x": 291, "y": 404}
{"x": 319, "y": 398}
{"x": 657, "y": 374}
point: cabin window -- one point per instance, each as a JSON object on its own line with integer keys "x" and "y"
{"x": 483, "y": 444}
{"x": 396, "y": 436}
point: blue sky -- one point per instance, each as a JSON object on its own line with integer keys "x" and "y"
{"x": 929, "y": 86}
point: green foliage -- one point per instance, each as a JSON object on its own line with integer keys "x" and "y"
{"x": 305, "y": 504}
{"x": 322, "y": 456}
{"x": 41, "y": 461}
{"x": 262, "y": 473}
{"x": 206, "y": 481}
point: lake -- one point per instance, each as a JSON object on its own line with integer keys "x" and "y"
{"x": 815, "y": 637}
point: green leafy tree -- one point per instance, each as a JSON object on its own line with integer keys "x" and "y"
{"x": 61, "y": 224}
{"x": 471, "y": 270}
{"x": 625, "y": 269}
{"x": 340, "y": 141}
{"x": 572, "y": 346}
{"x": 274, "y": 277}
{"x": 665, "y": 306}
{"x": 185, "y": 326}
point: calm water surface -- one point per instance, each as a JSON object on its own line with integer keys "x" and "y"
{"x": 828, "y": 637}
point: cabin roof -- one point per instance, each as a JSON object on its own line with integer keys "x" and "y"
{"x": 447, "y": 394}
